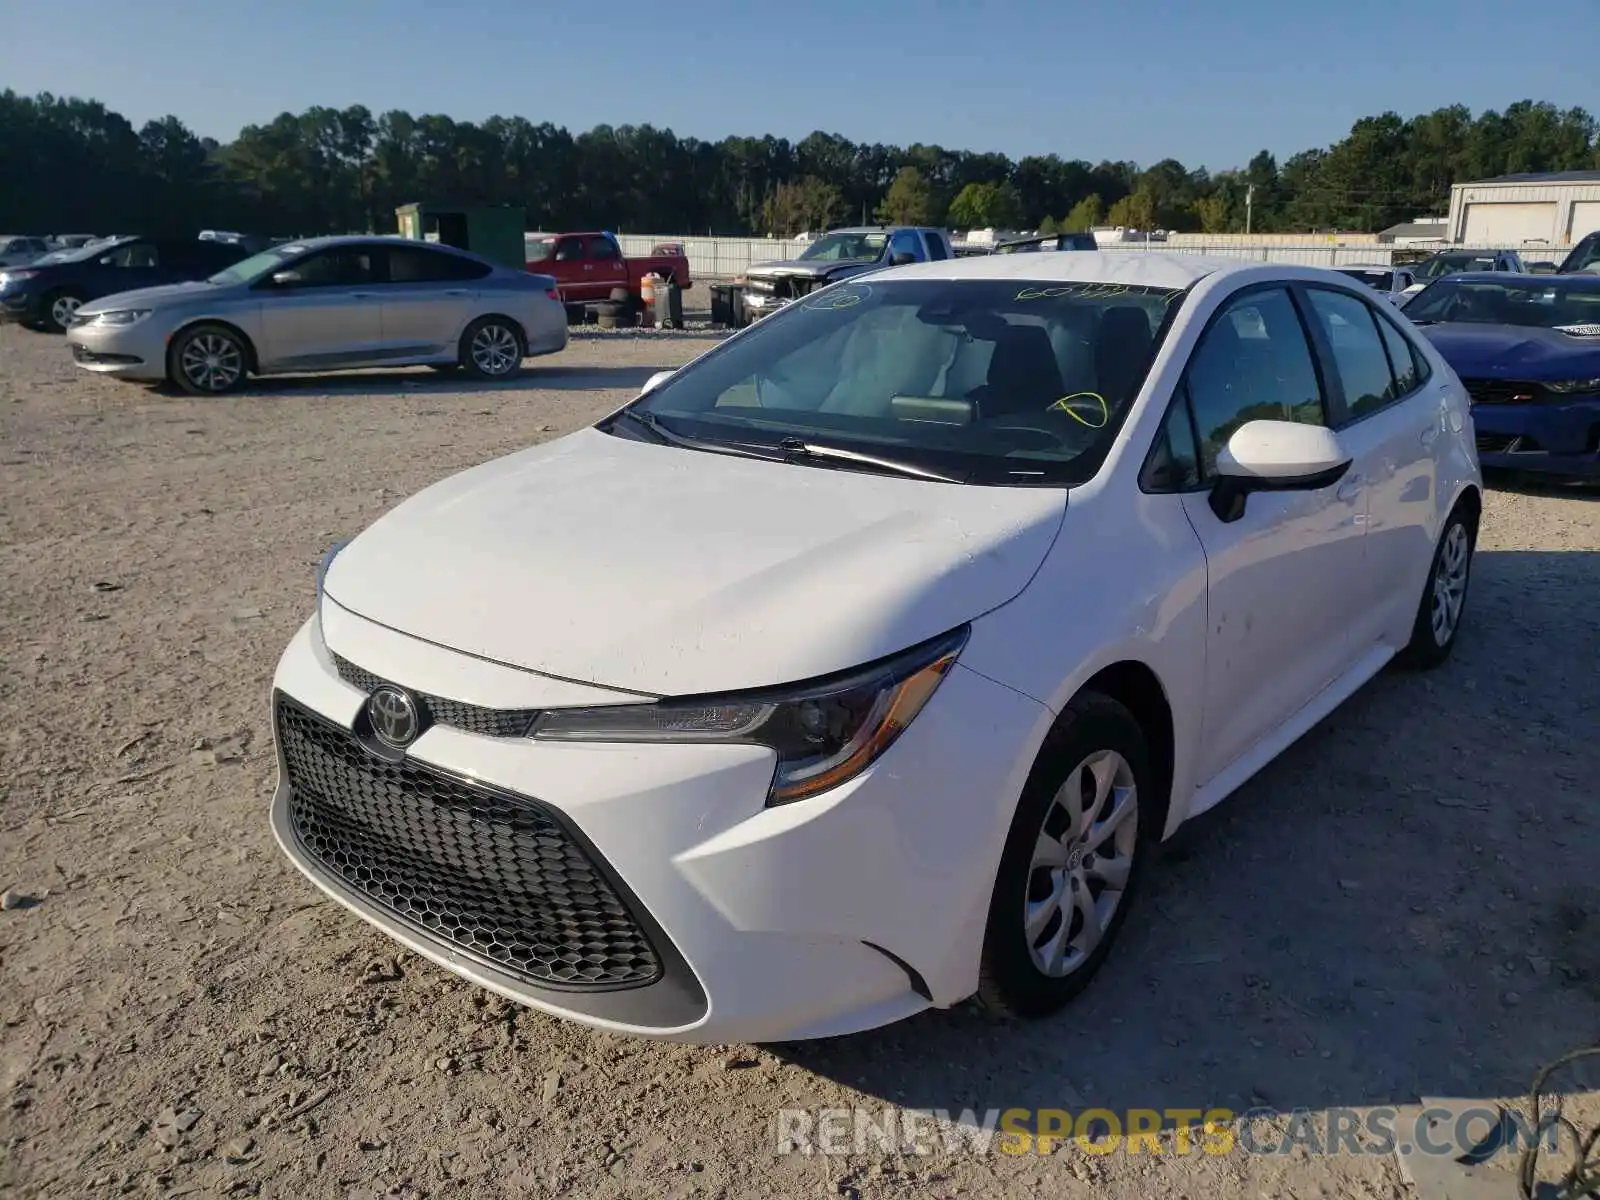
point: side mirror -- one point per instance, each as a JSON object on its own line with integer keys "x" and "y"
{"x": 285, "y": 279}
{"x": 902, "y": 259}
{"x": 1541, "y": 268}
{"x": 655, "y": 381}
{"x": 1275, "y": 456}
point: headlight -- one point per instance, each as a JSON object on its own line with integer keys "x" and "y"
{"x": 118, "y": 316}
{"x": 1566, "y": 387}
{"x": 824, "y": 732}
{"x": 327, "y": 561}
{"x": 7, "y": 278}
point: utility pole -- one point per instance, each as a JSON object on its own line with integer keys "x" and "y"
{"x": 1249, "y": 205}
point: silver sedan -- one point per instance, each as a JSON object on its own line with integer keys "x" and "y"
{"x": 326, "y": 304}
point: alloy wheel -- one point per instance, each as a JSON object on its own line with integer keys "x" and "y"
{"x": 1081, "y": 863}
{"x": 212, "y": 362}
{"x": 1450, "y": 583}
{"x": 495, "y": 351}
{"x": 62, "y": 310}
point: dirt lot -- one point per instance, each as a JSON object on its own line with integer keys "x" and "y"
{"x": 1407, "y": 904}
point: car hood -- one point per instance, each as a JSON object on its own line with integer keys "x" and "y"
{"x": 815, "y": 269}
{"x": 673, "y": 572}
{"x": 149, "y": 297}
{"x": 1514, "y": 351}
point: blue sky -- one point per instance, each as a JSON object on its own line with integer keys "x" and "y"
{"x": 1207, "y": 83}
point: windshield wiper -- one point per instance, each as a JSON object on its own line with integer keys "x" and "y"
{"x": 653, "y": 424}
{"x": 795, "y": 448}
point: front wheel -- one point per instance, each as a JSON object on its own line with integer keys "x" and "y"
{"x": 492, "y": 348}
{"x": 60, "y": 307}
{"x": 1088, "y": 820}
{"x": 208, "y": 360}
{"x": 1444, "y": 599}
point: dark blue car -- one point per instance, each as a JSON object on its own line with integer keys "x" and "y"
{"x": 1528, "y": 349}
{"x": 44, "y": 294}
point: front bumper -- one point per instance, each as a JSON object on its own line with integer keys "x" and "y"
{"x": 137, "y": 351}
{"x": 20, "y": 305}
{"x": 1560, "y": 438}
{"x": 835, "y": 914}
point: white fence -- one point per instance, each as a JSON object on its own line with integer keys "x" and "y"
{"x": 729, "y": 256}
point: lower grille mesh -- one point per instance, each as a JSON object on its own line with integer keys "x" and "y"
{"x": 494, "y": 876}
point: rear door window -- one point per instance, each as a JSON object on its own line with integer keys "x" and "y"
{"x": 408, "y": 264}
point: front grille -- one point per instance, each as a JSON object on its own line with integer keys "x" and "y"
{"x": 1503, "y": 391}
{"x": 491, "y": 722}
{"x": 1507, "y": 443}
{"x": 494, "y": 875}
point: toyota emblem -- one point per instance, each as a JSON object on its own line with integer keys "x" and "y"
{"x": 394, "y": 717}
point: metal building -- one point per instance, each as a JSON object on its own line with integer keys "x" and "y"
{"x": 1555, "y": 208}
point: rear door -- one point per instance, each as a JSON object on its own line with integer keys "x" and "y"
{"x": 1391, "y": 422}
{"x": 604, "y": 265}
{"x": 427, "y": 298}
{"x": 1284, "y": 576}
{"x": 128, "y": 266}
{"x": 325, "y": 312}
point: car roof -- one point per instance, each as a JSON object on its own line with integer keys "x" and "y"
{"x": 1146, "y": 268}
{"x": 1582, "y": 278}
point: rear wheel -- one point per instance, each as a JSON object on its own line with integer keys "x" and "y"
{"x": 1444, "y": 599}
{"x": 1088, "y": 820}
{"x": 492, "y": 348}
{"x": 208, "y": 360}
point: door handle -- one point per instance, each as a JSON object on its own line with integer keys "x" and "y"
{"x": 361, "y": 295}
{"x": 1350, "y": 489}
{"x": 456, "y": 292}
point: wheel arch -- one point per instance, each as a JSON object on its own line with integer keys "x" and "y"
{"x": 252, "y": 360}
{"x": 1135, "y": 686}
{"x": 496, "y": 315}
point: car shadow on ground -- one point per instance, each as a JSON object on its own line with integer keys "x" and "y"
{"x": 535, "y": 376}
{"x": 1525, "y": 483}
{"x": 1404, "y": 904}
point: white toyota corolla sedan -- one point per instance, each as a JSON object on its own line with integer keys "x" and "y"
{"x": 860, "y": 665}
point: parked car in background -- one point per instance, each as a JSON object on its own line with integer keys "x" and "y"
{"x": 20, "y": 251}
{"x": 1389, "y": 282}
{"x": 1049, "y": 241}
{"x": 45, "y": 295}
{"x": 1527, "y": 347}
{"x": 326, "y": 304}
{"x": 1585, "y": 256}
{"x": 1451, "y": 262}
{"x": 590, "y": 266}
{"x": 72, "y": 241}
{"x": 861, "y": 665}
{"x": 839, "y": 254}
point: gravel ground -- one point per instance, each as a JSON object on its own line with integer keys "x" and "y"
{"x": 1404, "y": 905}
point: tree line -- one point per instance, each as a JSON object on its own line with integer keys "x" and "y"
{"x": 69, "y": 165}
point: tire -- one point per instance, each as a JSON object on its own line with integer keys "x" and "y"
{"x": 208, "y": 360}
{"x": 1097, "y": 746}
{"x": 1444, "y": 596}
{"x": 58, "y": 309}
{"x": 492, "y": 348}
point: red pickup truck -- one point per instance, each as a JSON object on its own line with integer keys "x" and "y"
{"x": 588, "y": 266}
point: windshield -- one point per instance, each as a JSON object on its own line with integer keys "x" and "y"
{"x": 1449, "y": 264}
{"x": 1383, "y": 281}
{"x": 90, "y": 250}
{"x": 1547, "y": 303}
{"x": 539, "y": 249}
{"x": 837, "y": 247}
{"x": 984, "y": 381}
{"x": 257, "y": 265}
{"x": 1585, "y": 256}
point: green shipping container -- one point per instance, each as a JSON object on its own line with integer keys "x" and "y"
{"x": 494, "y": 232}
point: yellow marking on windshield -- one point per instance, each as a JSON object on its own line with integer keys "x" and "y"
{"x": 1065, "y": 405}
{"x": 844, "y": 296}
{"x": 1080, "y": 291}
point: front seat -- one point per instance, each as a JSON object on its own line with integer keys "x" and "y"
{"x": 1121, "y": 353}
{"x": 1024, "y": 375}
